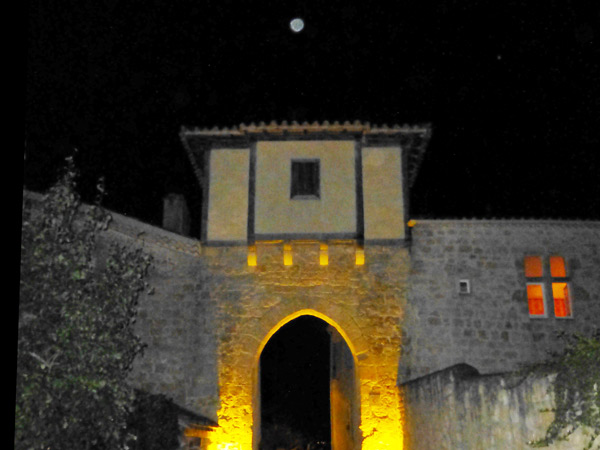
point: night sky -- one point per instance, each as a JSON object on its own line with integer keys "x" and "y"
{"x": 511, "y": 90}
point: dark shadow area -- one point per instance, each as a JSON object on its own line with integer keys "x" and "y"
{"x": 295, "y": 403}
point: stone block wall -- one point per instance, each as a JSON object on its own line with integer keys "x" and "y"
{"x": 211, "y": 314}
{"x": 400, "y": 313}
{"x": 490, "y": 329}
{"x": 364, "y": 303}
{"x": 459, "y": 409}
{"x": 180, "y": 358}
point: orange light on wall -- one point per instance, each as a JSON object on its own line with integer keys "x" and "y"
{"x": 562, "y": 300}
{"x": 411, "y": 223}
{"x": 252, "y": 255}
{"x": 287, "y": 255}
{"x": 533, "y": 266}
{"x": 535, "y": 299}
{"x": 557, "y": 267}
{"x": 323, "y": 254}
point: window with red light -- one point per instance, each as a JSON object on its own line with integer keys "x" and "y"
{"x": 533, "y": 267}
{"x": 535, "y": 299}
{"x": 541, "y": 282}
{"x": 560, "y": 287}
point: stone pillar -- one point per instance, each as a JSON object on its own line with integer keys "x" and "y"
{"x": 381, "y": 404}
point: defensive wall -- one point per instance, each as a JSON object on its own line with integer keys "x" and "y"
{"x": 211, "y": 313}
{"x": 490, "y": 327}
{"x": 402, "y": 313}
{"x": 457, "y": 408}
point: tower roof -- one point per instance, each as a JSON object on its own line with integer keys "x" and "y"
{"x": 412, "y": 138}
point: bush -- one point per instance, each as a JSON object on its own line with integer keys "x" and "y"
{"x": 576, "y": 388}
{"x": 75, "y": 333}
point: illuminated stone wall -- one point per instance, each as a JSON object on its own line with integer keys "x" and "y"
{"x": 211, "y": 314}
{"x": 364, "y": 303}
{"x": 490, "y": 329}
{"x": 458, "y": 408}
{"x": 400, "y": 313}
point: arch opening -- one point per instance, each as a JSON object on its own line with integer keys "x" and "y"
{"x": 307, "y": 392}
{"x": 294, "y": 386}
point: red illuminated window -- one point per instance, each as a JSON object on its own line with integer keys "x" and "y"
{"x": 539, "y": 285}
{"x": 533, "y": 266}
{"x": 557, "y": 267}
{"x": 535, "y": 299}
{"x": 562, "y": 300}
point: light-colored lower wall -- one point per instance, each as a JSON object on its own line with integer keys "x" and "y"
{"x": 458, "y": 409}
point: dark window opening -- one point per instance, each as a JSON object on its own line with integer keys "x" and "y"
{"x": 305, "y": 179}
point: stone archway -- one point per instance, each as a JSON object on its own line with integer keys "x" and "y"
{"x": 375, "y": 360}
{"x": 294, "y": 385}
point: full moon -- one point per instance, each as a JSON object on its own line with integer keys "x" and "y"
{"x": 297, "y": 25}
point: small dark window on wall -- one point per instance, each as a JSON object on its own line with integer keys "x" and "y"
{"x": 305, "y": 179}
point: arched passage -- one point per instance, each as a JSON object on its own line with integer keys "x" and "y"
{"x": 306, "y": 390}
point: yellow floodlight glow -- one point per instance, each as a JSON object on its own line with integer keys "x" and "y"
{"x": 230, "y": 437}
{"x": 360, "y": 256}
{"x": 379, "y": 398}
{"x": 287, "y": 255}
{"x": 252, "y": 255}
{"x": 382, "y": 423}
{"x": 323, "y": 254}
{"x": 229, "y": 446}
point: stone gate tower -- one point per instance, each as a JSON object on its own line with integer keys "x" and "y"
{"x": 312, "y": 220}
{"x": 291, "y": 212}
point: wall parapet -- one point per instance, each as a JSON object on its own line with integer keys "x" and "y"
{"x": 459, "y": 408}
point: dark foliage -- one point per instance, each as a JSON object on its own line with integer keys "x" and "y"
{"x": 76, "y": 343}
{"x": 576, "y": 388}
{"x": 154, "y": 422}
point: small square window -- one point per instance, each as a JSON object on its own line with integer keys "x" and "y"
{"x": 464, "y": 287}
{"x": 305, "y": 179}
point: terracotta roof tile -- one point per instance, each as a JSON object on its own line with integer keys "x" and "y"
{"x": 305, "y": 127}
